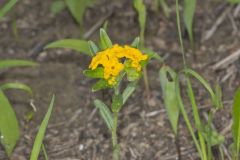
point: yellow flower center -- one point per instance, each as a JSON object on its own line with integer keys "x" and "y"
{"x": 110, "y": 59}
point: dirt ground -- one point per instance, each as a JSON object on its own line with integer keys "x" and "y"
{"x": 76, "y": 131}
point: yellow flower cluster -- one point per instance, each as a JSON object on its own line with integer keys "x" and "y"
{"x": 111, "y": 60}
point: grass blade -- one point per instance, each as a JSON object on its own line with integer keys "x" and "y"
{"x": 16, "y": 63}
{"x": 75, "y": 44}
{"x": 20, "y": 86}
{"x": 142, "y": 14}
{"x": 41, "y": 132}
{"x": 236, "y": 122}
{"x": 44, "y": 152}
{"x": 188, "y": 14}
{"x": 215, "y": 99}
{"x": 6, "y": 8}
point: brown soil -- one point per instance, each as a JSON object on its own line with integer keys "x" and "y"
{"x": 76, "y": 130}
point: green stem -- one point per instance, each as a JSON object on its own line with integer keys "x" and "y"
{"x": 145, "y": 78}
{"x": 209, "y": 134}
{"x": 116, "y": 149}
{"x": 186, "y": 118}
{"x": 196, "y": 118}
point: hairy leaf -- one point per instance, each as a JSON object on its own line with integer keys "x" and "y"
{"x": 105, "y": 41}
{"x": 105, "y": 113}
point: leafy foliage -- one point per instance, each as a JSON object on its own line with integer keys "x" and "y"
{"x": 6, "y": 8}
{"x": 105, "y": 113}
{"x": 9, "y": 128}
{"x": 188, "y": 14}
{"x": 142, "y": 14}
{"x": 77, "y": 45}
{"x": 77, "y": 8}
{"x": 16, "y": 63}
{"x": 168, "y": 85}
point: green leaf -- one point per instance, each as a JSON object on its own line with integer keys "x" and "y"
{"x": 165, "y": 8}
{"x": 16, "y": 63}
{"x": 105, "y": 41}
{"x": 136, "y": 42}
{"x": 233, "y": 1}
{"x": 151, "y": 54}
{"x": 128, "y": 91}
{"x": 168, "y": 84}
{"x": 132, "y": 74}
{"x": 41, "y": 132}
{"x": 9, "y": 129}
{"x": 101, "y": 84}
{"x": 105, "y": 113}
{"x": 117, "y": 103}
{"x": 93, "y": 48}
{"x": 96, "y": 73}
{"x": 215, "y": 100}
{"x": 6, "y": 8}
{"x": 77, "y": 45}
{"x": 20, "y": 86}
{"x": 188, "y": 14}
{"x": 215, "y": 138}
{"x": 218, "y": 96}
{"x": 44, "y": 152}
{"x": 57, "y": 6}
{"x": 142, "y": 14}
{"x": 236, "y": 121}
{"x": 77, "y": 8}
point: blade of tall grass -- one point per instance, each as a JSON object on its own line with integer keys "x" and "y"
{"x": 186, "y": 118}
{"x": 75, "y": 44}
{"x": 41, "y": 132}
{"x": 16, "y": 63}
{"x": 142, "y": 14}
{"x": 236, "y": 123}
{"x": 188, "y": 14}
{"x": 6, "y": 8}
{"x": 20, "y": 86}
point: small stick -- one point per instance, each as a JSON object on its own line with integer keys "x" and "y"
{"x": 96, "y": 26}
{"x": 209, "y": 33}
{"x": 226, "y": 61}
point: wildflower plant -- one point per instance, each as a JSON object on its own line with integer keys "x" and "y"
{"x": 111, "y": 64}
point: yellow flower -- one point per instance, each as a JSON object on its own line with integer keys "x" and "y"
{"x": 112, "y": 61}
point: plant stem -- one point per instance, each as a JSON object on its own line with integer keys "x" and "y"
{"x": 116, "y": 149}
{"x": 209, "y": 134}
{"x": 202, "y": 149}
{"x": 186, "y": 118}
{"x": 145, "y": 78}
